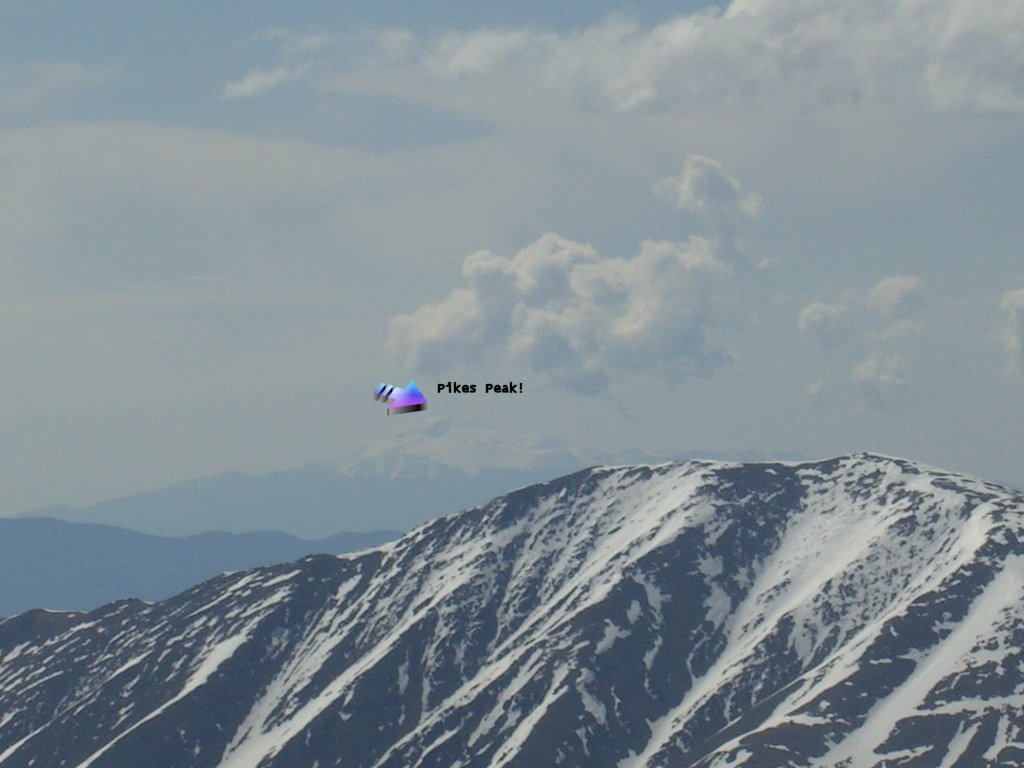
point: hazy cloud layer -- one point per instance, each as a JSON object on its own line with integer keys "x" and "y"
{"x": 953, "y": 54}
{"x": 1012, "y": 306}
{"x": 39, "y": 85}
{"x": 255, "y": 206}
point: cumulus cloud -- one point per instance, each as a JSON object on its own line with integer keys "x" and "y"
{"x": 1012, "y": 305}
{"x": 559, "y": 309}
{"x": 879, "y": 369}
{"x": 891, "y": 299}
{"x": 894, "y": 295}
{"x": 569, "y": 315}
{"x": 823, "y": 322}
{"x": 878, "y": 376}
{"x": 889, "y": 306}
{"x": 704, "y": 188}
{"x": 967, "y": 56}
{"x": 976, "y": 55}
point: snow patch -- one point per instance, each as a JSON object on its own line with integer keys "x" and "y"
{"x": 612, "y": 632}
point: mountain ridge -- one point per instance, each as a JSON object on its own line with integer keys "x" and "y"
{"x": 396, "y": 484}
{"x": 851, "y": 612}
{"x": 311, "y": 502}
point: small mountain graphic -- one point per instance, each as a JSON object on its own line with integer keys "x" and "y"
{"x": 401, "y": 399}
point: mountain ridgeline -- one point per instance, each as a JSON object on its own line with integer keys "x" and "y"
{"x": 861, "y": 611}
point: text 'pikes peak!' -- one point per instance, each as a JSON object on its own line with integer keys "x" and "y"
{"x": 455, "y": 388}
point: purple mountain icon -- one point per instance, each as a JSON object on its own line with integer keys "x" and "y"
{"x": 401, "y": 399}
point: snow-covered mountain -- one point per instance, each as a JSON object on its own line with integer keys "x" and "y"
{"x": 861, "y": 611}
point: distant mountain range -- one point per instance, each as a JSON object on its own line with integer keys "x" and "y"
{"x": 48, "y": 563}
{"x": 311, "y": 501}
{"x": 857, "y": 612}
{"x": 394, "y": 486}
{"x": 69, "y": 558}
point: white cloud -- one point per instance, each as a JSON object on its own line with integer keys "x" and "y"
{"x": 1012, "y": 305}
{"x": 561, "y": 311}
{"x": 298, "y": 55}
{"x": 889, "y": 301}
{"x": 474, "y": 53}
{"x": 977, "y": 56}
{"x": 258, "y": 81}
{"x": 878, "y": 376}
{"x": 894, "y": 295}
{"x": 879, "y": 369}
{"x": 824, "y": 322}
{"x": 704, "y": 188}
{"x": 953, "y": 54}
{"x": 566, "y": 313}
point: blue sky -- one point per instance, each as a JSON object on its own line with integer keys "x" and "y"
{"x": 764, "y": 228}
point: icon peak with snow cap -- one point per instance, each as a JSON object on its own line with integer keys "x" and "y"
{"x": 407, "y": 399}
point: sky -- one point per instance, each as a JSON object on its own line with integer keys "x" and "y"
{"x": 768, "y": 229}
